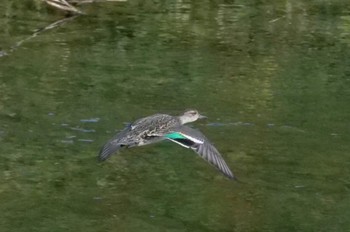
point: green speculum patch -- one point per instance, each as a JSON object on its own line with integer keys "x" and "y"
{"x": 175, "y": 135}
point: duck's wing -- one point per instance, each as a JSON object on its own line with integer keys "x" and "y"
{"x": 194, "y": 139}
{"x": 114, "y": 144}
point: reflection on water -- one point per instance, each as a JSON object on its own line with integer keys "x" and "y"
{"x": 271, "y": 77}
{"x": 345, "y": 29}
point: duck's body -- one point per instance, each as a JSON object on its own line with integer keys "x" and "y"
{"x": 142, "y": 132}
{"x": 159, "y": 127}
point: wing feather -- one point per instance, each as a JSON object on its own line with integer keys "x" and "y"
{"x": 113, "y": 145}
{"x": 204, "y": 149}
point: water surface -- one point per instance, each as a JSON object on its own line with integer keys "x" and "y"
{"x": 273, "y": 78}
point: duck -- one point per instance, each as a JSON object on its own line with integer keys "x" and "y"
{"x": 160, "y": 127}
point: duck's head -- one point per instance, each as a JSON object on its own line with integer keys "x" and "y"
{"x": 190, "y": 116}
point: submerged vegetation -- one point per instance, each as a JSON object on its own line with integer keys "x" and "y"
{"x": 68, "y": 5}
{"x": 63, "y": 5}
{"x": 70, "y": 8}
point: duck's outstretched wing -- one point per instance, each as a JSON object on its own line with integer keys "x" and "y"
{"x": 131, "y": 136}
{"x": 113, "y": 145}
{"x": 194, "y": 139}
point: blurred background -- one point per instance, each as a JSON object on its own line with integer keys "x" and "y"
{"x": 272, "y": 77}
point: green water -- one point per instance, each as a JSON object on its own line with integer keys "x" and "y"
{"x": 273, "y": 79}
